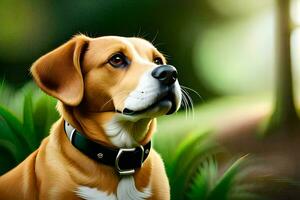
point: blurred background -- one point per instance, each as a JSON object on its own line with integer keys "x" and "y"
{"x": 220, "y": 47}
{"x": 225, "y": 50}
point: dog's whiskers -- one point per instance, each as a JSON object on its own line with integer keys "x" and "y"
{"x": 189, "y": 102}
{"x": 153, "y": 40}
{"x": 192, "y": 90}
{"x": 189, "y": 107}
{"x": 141, "y": 34}
{"x": 185, "y": 105}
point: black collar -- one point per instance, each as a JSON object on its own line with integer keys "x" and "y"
{"x": 124, "y": 160}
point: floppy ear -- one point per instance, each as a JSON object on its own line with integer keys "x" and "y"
{"x": 58, "y": 73}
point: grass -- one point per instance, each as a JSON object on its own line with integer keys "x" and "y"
{"x": 187, "y": 148}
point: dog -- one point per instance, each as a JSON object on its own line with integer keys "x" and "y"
{"x": 110, "y": 89}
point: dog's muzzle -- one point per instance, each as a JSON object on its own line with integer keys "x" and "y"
{"x": 166, "y": 75}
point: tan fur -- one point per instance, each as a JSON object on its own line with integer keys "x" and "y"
{"x": 89, "y": 90}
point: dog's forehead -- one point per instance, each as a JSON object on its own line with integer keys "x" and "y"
{"x": 138, "y": 44}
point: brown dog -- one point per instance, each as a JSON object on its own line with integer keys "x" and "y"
{"x": 110, "y": 89}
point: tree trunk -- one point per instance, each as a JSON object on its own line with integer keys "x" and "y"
{"x": 284, "y": 118}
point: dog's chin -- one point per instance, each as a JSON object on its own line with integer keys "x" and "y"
{"x": 162, "y": 107}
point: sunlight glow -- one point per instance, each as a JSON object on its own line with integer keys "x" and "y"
{"x": 295, "y": 49}
{"x": 295, "y": 12}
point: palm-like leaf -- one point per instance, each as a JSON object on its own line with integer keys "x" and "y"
{"x": 204, "y": 179}
{"x": 190, "y": 153}
{"x": 208, "y": 186}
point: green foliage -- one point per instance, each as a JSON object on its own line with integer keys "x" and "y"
{"x": 194, "y": 172}
{"x": 204, "y": 179}
{"x": 207, "y": 184}
{"x": 189, "y": 153}
{"x": 19, "y": 136}
{"x": 7, "y": 157}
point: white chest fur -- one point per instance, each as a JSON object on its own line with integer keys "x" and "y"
{"x": 126, "y": 191}
{"x": 125, "y": 133}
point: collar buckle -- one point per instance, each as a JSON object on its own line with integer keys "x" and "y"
{"x": 119, "y": 155}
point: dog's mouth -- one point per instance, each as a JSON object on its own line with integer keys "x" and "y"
{"x": 164, "y": 101}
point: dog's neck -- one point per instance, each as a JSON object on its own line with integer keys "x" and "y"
{"x": 125, "y": 133}
{"x": 109, "y": 127}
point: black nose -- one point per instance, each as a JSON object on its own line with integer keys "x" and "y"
{"x": 166, "y": 74}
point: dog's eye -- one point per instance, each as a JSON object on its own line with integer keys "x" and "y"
{"x": 118, "y": 60}
{"x": 158, "y": 61}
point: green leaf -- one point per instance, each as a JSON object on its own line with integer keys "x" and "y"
{"x": 207, "y": 186}
{"x": 14, "y": 123}
{"x": 28, "y": 122}
{"x": 44, "y": 115}
{"x": 8, "y": 158}
{"x": 204, "y": 179}
{"x": 6, "y": 132}
{"x": 189, "y": 154}
{"x": 226, "y": 182}
{"x": 11, "y": 130}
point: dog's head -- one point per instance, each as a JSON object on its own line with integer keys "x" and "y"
{"x": 125, "y": 75}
